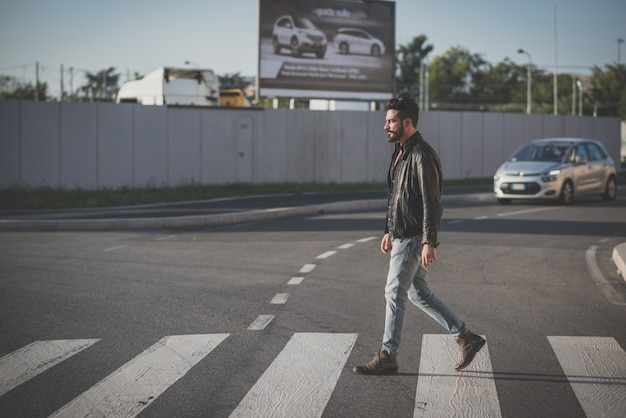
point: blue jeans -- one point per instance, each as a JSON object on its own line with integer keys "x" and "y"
{"x": 406, "y": 279}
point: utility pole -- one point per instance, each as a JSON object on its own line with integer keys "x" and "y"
{"x": 71, "y": 81}
{"x": 37, "y": 81}
{"x": 619, "y": 41}
{"x": 555, "y": 92}
{"x": 62, "y": 92}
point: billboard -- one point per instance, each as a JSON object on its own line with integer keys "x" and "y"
{"x": 326, "y": 49}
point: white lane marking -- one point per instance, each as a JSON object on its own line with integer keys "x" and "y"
{"x": 166, "y": 237}
{"x": 280, "y": 299}
{"x": 301, "y": 380}
{"x": 596, "y": 370}
{"x": 605, "y": 286}
{"x": 442, "y": 392}
{"x": 480, "y": 218}
{"x": 119, "y": 247}
{"x": 365, "y": 239}
{"x": 35, "y": 358}
{"x": 326, "y": 255}
{"x": 135, "y": 385}
{"x": 260, "y": 322}
{"x": 294, "y": 281}
{"x": 345, "y": 246}
{"x": 521, "y": 212}
{"x": 307, "y": 268}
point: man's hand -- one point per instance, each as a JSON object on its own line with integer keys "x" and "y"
{"x": 429, "y": 255}
{"x": 385, "y": 244}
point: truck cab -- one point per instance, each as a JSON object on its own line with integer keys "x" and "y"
{"x": 173, "y": 86}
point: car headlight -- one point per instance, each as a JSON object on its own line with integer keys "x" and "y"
{"x": 551, "y": 176}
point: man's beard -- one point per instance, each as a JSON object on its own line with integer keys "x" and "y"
{"x": 394, "y": 136}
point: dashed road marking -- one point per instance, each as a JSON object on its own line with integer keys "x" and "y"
{"x": 307, "y": 268}
{"x": 261, "y": 322}
{"x": 279, "y": 299}
{"x": 326, "y": 255}
{"x": 294, "y": 281}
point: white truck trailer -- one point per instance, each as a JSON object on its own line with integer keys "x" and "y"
{"x": 173, "y": 86}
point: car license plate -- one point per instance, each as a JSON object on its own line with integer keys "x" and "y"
{"x": 518, "y": 186}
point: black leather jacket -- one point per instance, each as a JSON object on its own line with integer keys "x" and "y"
{"x": 415, "y": 185}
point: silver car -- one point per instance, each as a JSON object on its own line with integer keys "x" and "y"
{"x": 299, "y": 35}
{"x": 558, "y": 169}
{"x": 357, "y": 41}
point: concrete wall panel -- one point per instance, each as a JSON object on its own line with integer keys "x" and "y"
{"x": 9, "y": 143}
{"x": 150, "y": 147}
{"x": 495, "y": 151}
{"x": 79, "y": 145}
{"x": 115, "y": 145}
{"x": 40, "y": 144}
{"x": 378, "y": 148}
{"x": 472, "y": 147}
{"x": 354, "y": 142}
{"x": 272, "y": 144}
{"x": 183, "y": 129}
{"x": 219, "y": 148}
{"x": 451, "y": 126}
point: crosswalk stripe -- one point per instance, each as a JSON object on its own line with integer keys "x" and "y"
{"x": 442, "y": 392}
{"x": 35, "y": 358}
{"x": 135, "y": 385}
{"x": 301, "y": 379}
{"x": 596, "y": 370}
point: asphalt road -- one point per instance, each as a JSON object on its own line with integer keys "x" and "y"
{"x": 267, "y": 318}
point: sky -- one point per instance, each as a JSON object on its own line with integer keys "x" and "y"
{"x": 138, "y": 36}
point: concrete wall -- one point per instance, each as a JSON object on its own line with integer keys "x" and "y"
{"x": 101, "y": 145}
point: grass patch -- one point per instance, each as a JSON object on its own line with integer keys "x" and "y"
{"x": 24, "y": 198}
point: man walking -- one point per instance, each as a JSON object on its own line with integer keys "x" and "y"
{"x": 413, "y": 215}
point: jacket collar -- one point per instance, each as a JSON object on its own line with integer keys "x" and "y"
{"x": 410, "y": 143}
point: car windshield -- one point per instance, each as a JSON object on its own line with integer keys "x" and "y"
{"x": 304, "y": 23}
{"x": 546, "y": 151}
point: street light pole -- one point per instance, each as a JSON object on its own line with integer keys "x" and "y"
{"x": 580, "y": 97}
{"x": 619, "y": 41}
{"x": 528, "y": 82}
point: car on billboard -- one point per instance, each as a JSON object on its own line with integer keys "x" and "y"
{"x": 299, "y": 35}
{"x": 357, "y": 41}
{"x": 557, "y": 169}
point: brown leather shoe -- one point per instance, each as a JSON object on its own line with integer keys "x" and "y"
{"x": 469, "y": 345}
{"x": 382, "y": 363}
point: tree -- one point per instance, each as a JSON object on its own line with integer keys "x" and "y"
{"x": 12, "y": 88}
{"x": 101, "y": 86}
{"x": 608, "y": 92}
{"x": 409, "y": 59}
{"x": 454, "y": 77}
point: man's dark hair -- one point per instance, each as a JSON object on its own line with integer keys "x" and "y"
{"x": 406, "y": 107}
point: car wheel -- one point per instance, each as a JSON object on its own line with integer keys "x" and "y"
{"x": 567, "y": 193}
{"x": 276, "y": 45}
{"x": 344, "y": 48}
{"x": 376, "y": 50}
{"x": 504, "y": 201}
{"x": 610, "y": 191}
{"x": 295, "y": 47}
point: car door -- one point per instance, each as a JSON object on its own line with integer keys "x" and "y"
{"x": 580, "y": 167}
{"x": 597, "y": 168}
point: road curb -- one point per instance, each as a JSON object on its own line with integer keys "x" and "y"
{"x": 214, "y": 219}
{"x": 619, "y": 258}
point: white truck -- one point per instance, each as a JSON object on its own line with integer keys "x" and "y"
{"x": 173, "y": 86}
